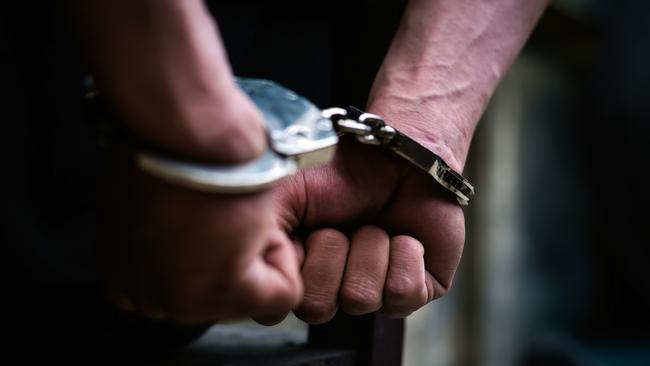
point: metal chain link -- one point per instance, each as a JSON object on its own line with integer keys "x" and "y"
{"x": 368, "y": 128}
{"x": 371, "y": 129}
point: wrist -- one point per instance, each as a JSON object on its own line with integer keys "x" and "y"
{"x": 441, "y": 126}
{"x": 371, "y": 129}
{"x": 167, "y": 73}
{"x": 220, "y": 125}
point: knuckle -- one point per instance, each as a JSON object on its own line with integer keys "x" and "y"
{"x": 405, "y": 243}
{"x": 359, "y": 298}
{"x": 401, "y": 288}
{"x": 403, "y": 296}
{"x": 331, "y": 239}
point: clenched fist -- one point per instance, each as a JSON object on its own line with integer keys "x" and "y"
{"x": 380, "y": 235}
{"x": 166, "y": 251}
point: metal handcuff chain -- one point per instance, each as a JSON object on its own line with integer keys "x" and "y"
{"x": 300, "y": 136}
{"x": 371, "y": 129}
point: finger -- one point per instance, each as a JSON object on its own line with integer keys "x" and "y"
{"x": 406, "y": 287}
{"x": 265, "y": 287}
{"x": 430, "y": 207}
{"x": 275, "y": 282}
{"x": 340, "y": 192}
{"x": 322, "y": 271}
{"x": 365, "y": 271}
{"x": 273, "y": 318}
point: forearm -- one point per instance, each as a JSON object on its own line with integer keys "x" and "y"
{"x": 161, "y": 62}
{"x": 443, "y": 65}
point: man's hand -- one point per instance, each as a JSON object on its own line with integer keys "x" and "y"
{"x": 395, "y": 237}
{"x": 381, "y": 234}
{"x": 166, "y": 251}
{"x": 162, "y": 65}
{"x": 190, "y": 257}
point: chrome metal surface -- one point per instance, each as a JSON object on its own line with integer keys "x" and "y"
{"x": 300, "y": 136}
{"x": 295, "y": 125}
{"x": 254, "y": 176}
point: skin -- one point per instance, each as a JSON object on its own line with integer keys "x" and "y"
{"x": 378, "y": 234}
{"x": 382, "y": 236}
{"x": 168, "y": 252}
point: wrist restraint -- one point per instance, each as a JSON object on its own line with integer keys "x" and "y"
{"x": 300, "y": 136}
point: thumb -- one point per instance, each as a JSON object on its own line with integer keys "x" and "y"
{"x": 220, "y": 127}
{"x": 236, "y": 131}
{"x": 355, "y": 185}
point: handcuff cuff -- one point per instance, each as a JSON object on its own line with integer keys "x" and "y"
{"x": 300, "y": 136}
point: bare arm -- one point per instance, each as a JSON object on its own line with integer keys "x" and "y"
{"x": 163, "y": 64}
{"x": 166, "y": 251}
{"x": 443, "y": 65}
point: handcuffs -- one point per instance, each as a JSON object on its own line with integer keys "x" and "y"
{"x": 300, "y": 136}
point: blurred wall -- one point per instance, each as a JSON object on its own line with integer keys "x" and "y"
{"x": 555, "y": 267}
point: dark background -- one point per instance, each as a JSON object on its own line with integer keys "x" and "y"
{"x": 555, "y": 270}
